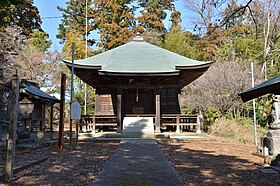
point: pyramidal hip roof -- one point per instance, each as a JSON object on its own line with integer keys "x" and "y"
{"x": 138, "y": 57}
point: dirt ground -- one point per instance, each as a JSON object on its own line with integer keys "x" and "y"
{"x": 77, "y": 167}
{"x": 197, "y": 162}
{"x": 217, "y": 162}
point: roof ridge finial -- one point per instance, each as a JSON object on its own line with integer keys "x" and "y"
{"x": 138, "y": 37}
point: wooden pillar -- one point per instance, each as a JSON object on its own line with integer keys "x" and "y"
{"x": 77, "y": 133}
{"x": 157, "y": 119}
{"x": 61, "y": 112}
{"x": 119, "y": 110}
{"x": 179, "y": 98}
{"x": 97, "y": 102}
{"x": 97, "y": 109}
{"x": 32, "y": 120}
{"x": 199, "y": 120}
{"x": 43, "y": 116}
{"x": 93, "y": 124}
{"x": 51, "y": 119}
{"x": 178, "y": 130}
{"x": 14, "y": 97}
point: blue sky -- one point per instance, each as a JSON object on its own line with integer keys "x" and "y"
{"x": 48, "y": 8}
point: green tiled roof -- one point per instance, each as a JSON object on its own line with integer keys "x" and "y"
{"x": 138, "y": 57}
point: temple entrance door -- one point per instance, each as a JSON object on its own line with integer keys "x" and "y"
{"x": 137, "y": 104}
{"x": 138, "y": 101}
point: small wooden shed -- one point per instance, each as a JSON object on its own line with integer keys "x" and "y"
{"x": 33, "y": 105}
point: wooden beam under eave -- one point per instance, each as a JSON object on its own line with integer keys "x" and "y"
{"x": 90, "y": 77}
{"x": 188, "y": 76}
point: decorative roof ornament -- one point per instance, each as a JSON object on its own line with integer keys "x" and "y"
{"x": 138, "y": 37}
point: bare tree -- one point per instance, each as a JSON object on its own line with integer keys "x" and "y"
{"x": 210, "y": 14}
{"x": 30, "y": 63}
{"x": 219, "y": 87}
{"x": 204, "y": 14}
{"x": 271, "y": 30}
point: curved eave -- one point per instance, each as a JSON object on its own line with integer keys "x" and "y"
{"x": 38, "y": 97}
{"x": 82, "y": 66}
{"x": 173, "y": 73}
{"x": 260, "y": 90}
{"x": 195, "y": 67}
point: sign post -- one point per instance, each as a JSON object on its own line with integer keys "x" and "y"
{"x": 72, "y": 92}
{"x": 76, "y": 115}
{"x": 61, "y": 112}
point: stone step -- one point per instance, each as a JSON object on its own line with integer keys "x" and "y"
{"x": 138, "y": 125}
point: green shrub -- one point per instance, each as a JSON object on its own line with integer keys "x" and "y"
{"x": 210, "y": 117}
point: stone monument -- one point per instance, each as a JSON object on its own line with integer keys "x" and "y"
{"x": 272, "y": 141}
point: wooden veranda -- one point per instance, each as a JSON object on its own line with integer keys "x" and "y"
{"x": 168, "y": 122}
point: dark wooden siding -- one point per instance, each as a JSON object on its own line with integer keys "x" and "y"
{"x": 144, "y": 104}
{"x": 106, "y": 103}
{"x": 169, "y": 103}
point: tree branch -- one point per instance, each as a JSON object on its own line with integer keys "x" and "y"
{"x": 256, "y": 25}
{"x": 233, "y": 13}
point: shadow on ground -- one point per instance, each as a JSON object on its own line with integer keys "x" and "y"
{"x": 77, "y": 167}
{"x": 216, "y": 163}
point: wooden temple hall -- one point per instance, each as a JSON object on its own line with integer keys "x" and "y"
{"x": 138, "y": 86}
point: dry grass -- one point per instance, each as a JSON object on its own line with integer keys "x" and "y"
{"x": 241, "y": 130}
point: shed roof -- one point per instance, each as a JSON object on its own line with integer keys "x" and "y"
{"x": 33, "y": 91}
{"x": 138, "y": 58}
{"x": 270, "y": 86}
